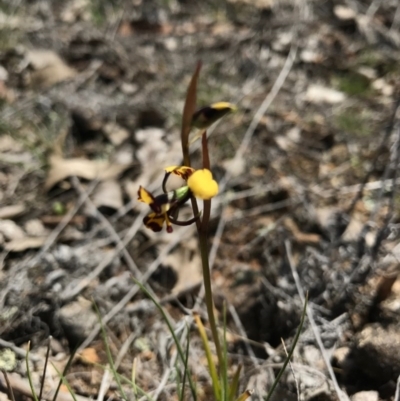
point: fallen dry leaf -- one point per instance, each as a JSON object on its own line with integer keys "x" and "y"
{"x": 11, "y": 230}
{"x": 89, "y": 356}
{"x": 8, "y": 212}
{"x": 23, "y": 244}
{"x": 108, "y": 194}
{"x": 61, "y": 168}
{"x": 187, "y": 264}
{"x": 48, "y": 68}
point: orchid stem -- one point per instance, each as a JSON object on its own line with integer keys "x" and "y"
{"x": 208, "y": 292}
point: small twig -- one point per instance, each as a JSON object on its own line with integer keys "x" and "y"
{"x": 105, "y": 383}
{"x": 341, "y": 395}
{"x": 9, "y": 388}
{"x": 397, "y": 395}
{"x": 45, "y": 368}
{"x": 239, "y": 325}
{"x": 19, "y": 351}
{"x": 373, "y": 8}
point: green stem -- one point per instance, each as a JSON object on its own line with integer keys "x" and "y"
{"x": 208, "y": 293}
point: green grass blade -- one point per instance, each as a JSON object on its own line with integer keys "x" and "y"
{"x": 290, "y": 354}
{"x": 210, "y": 362}
{"x": 185, "y": 368}
{"x": 65, "y": 382}
{"x": 235, "y": 384}
{"x": 34, "y": 396}
{"x": 45, "y": 369}
{"x": 109, "y": 356}
{"x": 171, "y": 329}
{"x": 64, "y": 373}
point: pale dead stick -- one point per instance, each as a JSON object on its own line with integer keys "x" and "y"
{"x": 397, "y": 395}
{"x": 19, "y": 351}
{"x": 341, "y": 395}
{"x": 106, "y": 380}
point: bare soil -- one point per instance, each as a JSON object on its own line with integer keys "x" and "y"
{"x": 91, "y": 98}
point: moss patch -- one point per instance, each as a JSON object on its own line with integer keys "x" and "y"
{"x": 352, "y": 83}
{"x": 354, "y": 122}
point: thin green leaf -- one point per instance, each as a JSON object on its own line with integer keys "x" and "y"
{"x": 133, "y": 376}
{"x": 28, "y": 371}
{"x": 65, "y": 382}
{"x": 210, "y": 362}
{"x": 171, "y": 329}
{"x": 185, "y": 368}
{"x": 235, "y": 384}
{"x": 109, "y": 356}
{"x": 64, "y": 373}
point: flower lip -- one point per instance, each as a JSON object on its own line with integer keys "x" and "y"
{"x": 202, "y": 184}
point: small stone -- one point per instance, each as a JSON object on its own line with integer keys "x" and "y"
{"x": 34, "y": 228}
{"x": 344, "y": 13}
{"x": 77, "y": 319}
{"x": 365, "y": 396}
{"x": 340, "y": 356}
{"x": 10, "y": 230}
{"x": 376, "y": 352}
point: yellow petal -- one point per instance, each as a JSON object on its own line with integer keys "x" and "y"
{"x": 145, "y": 196}
{"x": 208, "y": 115}
{"x": 154, "y": 221}
{"x": 181, "y": 171}
{"x": 202, "y": 184}
{"x": 224, "y": 106}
